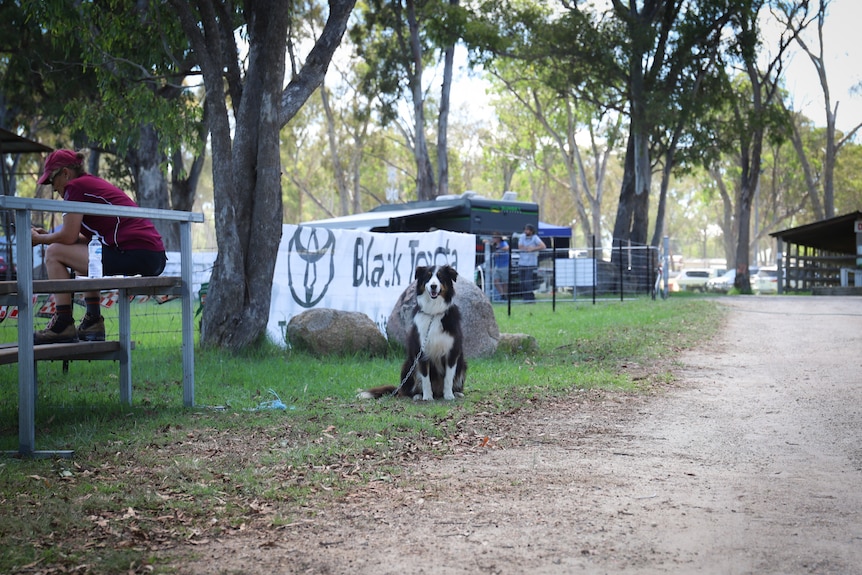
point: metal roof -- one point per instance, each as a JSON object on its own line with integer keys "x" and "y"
{"x": 11, "y": 143}
{"x": 834, "y": 235}
{"x": 371, "y": 220}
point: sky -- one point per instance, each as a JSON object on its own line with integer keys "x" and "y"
{"x": 843, "y": 62}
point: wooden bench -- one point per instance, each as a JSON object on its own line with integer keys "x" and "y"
{"x": 20, "y": 293}
{"x": 87, "y": 350}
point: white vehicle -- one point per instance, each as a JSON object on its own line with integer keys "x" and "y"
{"x": 692, "y": 279}
{"x": 722, "y": 283}
{"x": 765, "y": 281}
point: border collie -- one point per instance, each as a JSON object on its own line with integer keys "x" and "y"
{"x": 435, "y": 366}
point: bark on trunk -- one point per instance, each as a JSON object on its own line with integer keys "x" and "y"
{"x": 247, "y": 168}
{"x": 424, "y": 171}
{"x": 150, "y": 182}
{"x": 443, "y": 119}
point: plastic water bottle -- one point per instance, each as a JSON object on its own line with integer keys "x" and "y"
{"x": 95, "y": 254}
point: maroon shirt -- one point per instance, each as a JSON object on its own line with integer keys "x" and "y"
{"x": 122, "y": 233}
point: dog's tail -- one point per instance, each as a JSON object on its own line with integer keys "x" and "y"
{"x": 377, "y": 392}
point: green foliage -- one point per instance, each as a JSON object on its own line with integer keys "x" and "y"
{"x": 116, "y": 66}
{"x": 848, "y": 179}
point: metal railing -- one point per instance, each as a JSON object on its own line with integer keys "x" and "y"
{"x": 577, "y": 274}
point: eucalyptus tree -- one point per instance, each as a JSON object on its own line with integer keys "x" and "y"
{"x": 400, "y": 40}
{"x": 249, "y": 98}
{"x": 133, "y": 58}
{"x": 780, "y": 198}
{"x": 822, "y": 181}
{"x": 33, "y": 72}
{"x": 650, "y": 60}
{"x": 349, "y": 126}
{"x": 848, "y": 179}
{"x": 667, "y": 57}
{"x": 753, "y": 73}
{"x": 560, "y": 118}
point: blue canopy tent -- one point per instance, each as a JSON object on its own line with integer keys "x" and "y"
{"x": 556, "y": 236}
{"x": 547, "y": 230}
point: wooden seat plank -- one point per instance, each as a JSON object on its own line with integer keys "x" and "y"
{"x": 82, "y": 350}
{"x": 133, "y": 285}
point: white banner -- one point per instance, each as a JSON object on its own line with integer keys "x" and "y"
{"x": 353, "y": 270}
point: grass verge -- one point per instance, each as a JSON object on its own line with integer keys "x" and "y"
{"x": 154, "y": 475}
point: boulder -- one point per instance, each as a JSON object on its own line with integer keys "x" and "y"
{"x": 515, "y": 343}
{"x": 481, "y": 332}
{"x": 323, "y": 331}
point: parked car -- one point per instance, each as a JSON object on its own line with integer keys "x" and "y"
{"x": 693, "y": 279}
{"x": 724, "y": 282}
{"x": 765, "y": 281}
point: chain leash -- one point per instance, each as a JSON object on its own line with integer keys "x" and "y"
{"x": 422, "y": 343}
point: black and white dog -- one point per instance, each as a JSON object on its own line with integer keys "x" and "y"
{"x": 435, "y": 366}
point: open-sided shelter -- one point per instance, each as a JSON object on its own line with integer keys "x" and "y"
{"x": 822, "y": 255}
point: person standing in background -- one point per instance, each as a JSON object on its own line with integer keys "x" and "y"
{"x": 529, "y": 246}
{"x": 500, "y": 261}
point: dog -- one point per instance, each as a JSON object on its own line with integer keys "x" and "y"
{"x": 435, "y": 366}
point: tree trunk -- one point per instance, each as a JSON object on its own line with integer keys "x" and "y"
{"x": 728, "y": 218}
{"x": 742, "y": 282}
{"x": 424, "y": 171}
{"x": 443, "y": 118}
{"x": 247, "y": 168}
{"x": 335, "y": 152}
{"x": 751, "y": 156}
{"x": 248, "y": 209}
{"x": 151, "y": 184}
{"x": 626, "y": 205}
{"x": 807, "y": 170}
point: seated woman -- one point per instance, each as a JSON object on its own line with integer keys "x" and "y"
{"x": 130, "y": 246}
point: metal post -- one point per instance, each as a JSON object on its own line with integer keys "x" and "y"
{"x": 188, "y": 315}
{"x": 553, "y": 275}
{"x": 621, "y": 270}
{"x": 488, "y": 270}
{"x": 857, "y": 280}
{"x": 595, "y": 270}
{"x": 125, "y": 314}
{"x": 509, "y": 282}
{"x": 665, "y": 271}
{"x": 26, "y": 357}
{"x": 779, "y": 263}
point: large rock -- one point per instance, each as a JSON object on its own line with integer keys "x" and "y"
{"x": 481, "y": 332}
{"x": 323, "y": 331}
{"x": 517, "y": 343}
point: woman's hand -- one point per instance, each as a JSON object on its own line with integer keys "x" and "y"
{"x": 36, "y": 235}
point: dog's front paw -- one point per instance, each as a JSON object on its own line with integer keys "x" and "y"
{"x": 449, "y": 396}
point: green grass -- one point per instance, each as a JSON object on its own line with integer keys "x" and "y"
{"x": 148, "y": 476}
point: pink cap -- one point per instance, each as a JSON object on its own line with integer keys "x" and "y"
{"x": 56, "y": 160}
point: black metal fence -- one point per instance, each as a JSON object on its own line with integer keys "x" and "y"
{"x": 583, "y": 274}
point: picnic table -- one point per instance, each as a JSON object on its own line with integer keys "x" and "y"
{"x": 20, "y": 293}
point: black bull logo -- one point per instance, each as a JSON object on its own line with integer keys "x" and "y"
{"x": 318, "y": 265}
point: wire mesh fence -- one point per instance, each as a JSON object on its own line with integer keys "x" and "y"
{"x": 582, "y": 274}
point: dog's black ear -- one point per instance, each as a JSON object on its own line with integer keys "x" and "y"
{"x": 420, "y": 271}
{"x": 451, "y": 272}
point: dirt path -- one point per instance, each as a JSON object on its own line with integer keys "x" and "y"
{"x": 751, "y": 464}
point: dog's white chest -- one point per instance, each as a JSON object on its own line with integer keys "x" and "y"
{"x": 435, "y": 341}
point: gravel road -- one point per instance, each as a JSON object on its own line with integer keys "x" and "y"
{"x": 750, "y": 463}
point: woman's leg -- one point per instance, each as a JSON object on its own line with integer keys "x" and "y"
{"x": 59, "y": 259}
